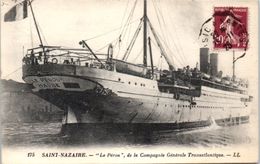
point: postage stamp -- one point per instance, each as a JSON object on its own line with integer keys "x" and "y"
{"x": 230, "y": 27}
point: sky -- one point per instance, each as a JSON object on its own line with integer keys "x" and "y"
{"x": 66, "y": 22}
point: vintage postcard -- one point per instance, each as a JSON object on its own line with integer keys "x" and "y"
{"x": 129, "y": 81}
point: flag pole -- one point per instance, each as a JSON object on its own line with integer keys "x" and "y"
{"x": 36, "y": 26}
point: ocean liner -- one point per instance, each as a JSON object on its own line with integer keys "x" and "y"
{"x": 95, "y": 88}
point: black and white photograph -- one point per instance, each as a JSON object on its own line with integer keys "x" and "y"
{"x": 129, "y": 81}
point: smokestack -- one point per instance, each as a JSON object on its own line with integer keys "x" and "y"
{"x": 214, "y": 64}
{"x": 204, "y": 59}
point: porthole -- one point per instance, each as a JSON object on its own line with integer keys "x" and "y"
{"x": 129, "y": 82}
{"x": 135, "y": 83}
{"x": 119, "y": 79}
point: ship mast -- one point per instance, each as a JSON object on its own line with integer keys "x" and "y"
{"x": 145, "y": 34}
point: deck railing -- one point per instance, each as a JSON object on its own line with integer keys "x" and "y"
{"x": 60, "y": 55}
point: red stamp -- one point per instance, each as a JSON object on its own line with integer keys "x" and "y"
{"x": 230, "y": 28}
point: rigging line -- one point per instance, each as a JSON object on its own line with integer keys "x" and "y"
{"x": 167, "y": 56}
{"x": 128, "y": 21}
{"x": 129, "y": 48}
{"x": 160, "y": 60}
{"x": 117, "y": 42}
{"x": 173, "y": 56}
{"x": 129, "y": 34}
{"x": 124, "y": 30}
{"x": 157, "y": 15}
{"x": 138, "y": 54}
{"x": 124, "y": 15}
{"x": 129, "y": 27}
{"x": 157, "y": 10}
{"x": 37, "y": 24}
{"x": 179, "y": 49}
{"x": 12, "y": 72}
{"x": 169, "y": 60}
{"x": 167, "y": 40}
{"x": 108, "y": 32}
{"x": 178, "y": 40}
{"x": 176, "y": 56}
{"x": 160, "y": 25}
{"x": 160, "y": 13}
{"x": 181, "y": 53}
{"x": 119, "y": 49}
{"x": 155, "y": 45}
{"x": 129, "y": 17}
{"x": 101, "y": 48}
{"x": 42, "y": 34}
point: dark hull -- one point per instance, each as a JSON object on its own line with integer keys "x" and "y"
{"x": 145, "y": 128}
{"x": 89, "y": 107}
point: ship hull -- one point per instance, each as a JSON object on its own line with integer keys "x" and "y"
{"x": 96, "y": 96}
{"x": 87, "y": 108}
